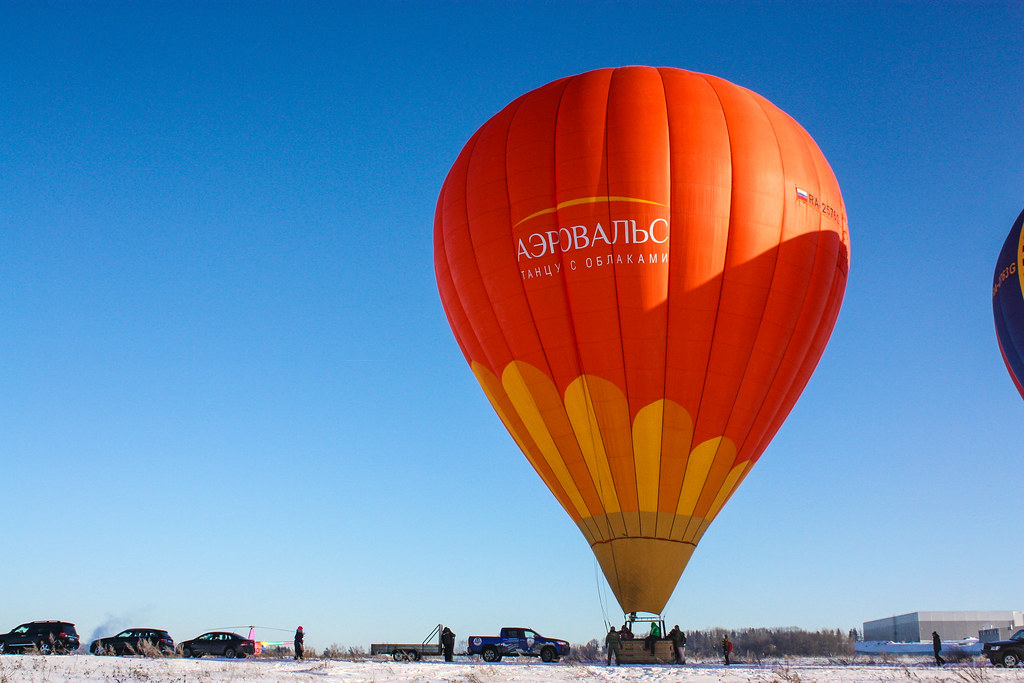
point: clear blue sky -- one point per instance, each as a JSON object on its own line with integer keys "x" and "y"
{"x": 229, "y": 394}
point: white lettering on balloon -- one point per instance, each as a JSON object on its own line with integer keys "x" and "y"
{"x": 578, "y": 238}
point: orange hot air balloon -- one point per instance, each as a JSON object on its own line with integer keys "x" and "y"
{"x": 642, "y": 267}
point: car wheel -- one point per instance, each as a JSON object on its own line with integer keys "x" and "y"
{"x": 1011, "y": 660}
{"x": 186, "y": 652}
{"x": 45, "y": 648}
{"x": 490, "y": 654}
{"x": 229, "y": 652}
{"x": 3, "y": 648}
{"x": 548, "y": 654}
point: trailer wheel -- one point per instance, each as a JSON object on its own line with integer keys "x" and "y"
{"x": 414, "y": 655}
{"x": 548, "y": 654}
{"x": 400, "y": 656}
{"x": 490, "y": 654}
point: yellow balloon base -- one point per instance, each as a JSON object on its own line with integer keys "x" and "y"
{"x": 643, "y": 572}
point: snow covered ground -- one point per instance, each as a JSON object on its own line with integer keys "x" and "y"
{"x": 87, "y": 668}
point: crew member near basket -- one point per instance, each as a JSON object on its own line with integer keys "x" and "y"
{"x": 678, "y": 639}
{"x": 614, "y": 641}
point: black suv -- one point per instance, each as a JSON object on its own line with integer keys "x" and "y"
{"x": 1009, "y": 653}
{"x": 134, "y": 641}
{"x": 44, "y": 636}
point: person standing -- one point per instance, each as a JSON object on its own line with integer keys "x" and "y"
{"x": 614, "y": 642}
{"x": 937, "y": 647}
{"x": 299, "y": 648}
{"x": 678, "y": 644}
{"x": 448, "y": 644}
{"x": 726, "y": 648}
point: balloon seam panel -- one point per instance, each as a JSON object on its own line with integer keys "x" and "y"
{"x": 714, "y": 326}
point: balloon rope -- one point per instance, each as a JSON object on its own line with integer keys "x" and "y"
{"x": 600, "y": 594}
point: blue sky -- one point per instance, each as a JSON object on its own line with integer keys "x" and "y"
{"x": 230, "y": 395}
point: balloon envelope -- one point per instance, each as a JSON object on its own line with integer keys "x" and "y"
{"x": 642, "y": 267}
{"x": 1008, "y": 303}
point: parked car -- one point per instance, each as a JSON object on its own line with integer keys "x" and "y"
{"x": 44, "y": 636}
{"x": 221, "y": 643}
{"x": 133, "y": 641}
{"x": 1008, "y": 653}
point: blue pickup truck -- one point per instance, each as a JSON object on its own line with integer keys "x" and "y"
{"x": 514, "y": 642}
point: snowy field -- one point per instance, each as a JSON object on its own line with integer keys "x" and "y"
{"x": 82, "y": 668}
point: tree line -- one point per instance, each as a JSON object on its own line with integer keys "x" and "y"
{"x": 755, "y": 643}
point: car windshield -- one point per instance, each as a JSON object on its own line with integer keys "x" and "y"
{"x": 1019, "y": 635}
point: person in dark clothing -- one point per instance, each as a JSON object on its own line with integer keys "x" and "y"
{"x": 299, "y": 649}
{"x": 448, "y": 644}
{"x": 726, "y": 648}
{"x": 936, "y": 647}
{"x": 614, "y": 643}
{"x": 678, "y": 639}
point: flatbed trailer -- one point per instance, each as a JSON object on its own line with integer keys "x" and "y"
{"x": 410, "y": 651}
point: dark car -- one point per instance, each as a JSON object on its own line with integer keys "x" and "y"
{"x": 221, "y": 643}
{"x": 1007, "y": 653}
{"x": 44, "y": 636}
{"x": 134, "y": 641}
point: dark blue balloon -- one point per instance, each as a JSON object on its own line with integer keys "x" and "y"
{"x": 1008, "y": 303}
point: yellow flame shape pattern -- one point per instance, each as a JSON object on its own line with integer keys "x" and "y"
{"x": 610, "y": 475}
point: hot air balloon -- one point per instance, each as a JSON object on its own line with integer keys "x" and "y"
{"x": 1008, "y": 303}
{"x": 642, "y": 267}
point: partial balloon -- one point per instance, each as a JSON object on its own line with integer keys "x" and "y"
{"x": 642, "y": 267}
{"x": 1008, "y": 303}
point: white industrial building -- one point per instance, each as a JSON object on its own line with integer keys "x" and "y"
{"x": 951, "y": 626}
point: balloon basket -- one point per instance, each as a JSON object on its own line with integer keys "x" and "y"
{"x": 637, "y": 647}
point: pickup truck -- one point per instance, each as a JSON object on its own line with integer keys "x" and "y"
{"x": 514, "y": 642}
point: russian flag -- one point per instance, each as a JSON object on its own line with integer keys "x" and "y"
{"x": 802, "y": 195}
